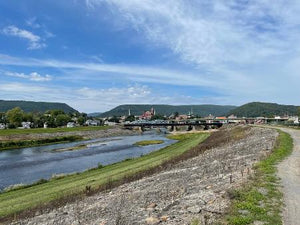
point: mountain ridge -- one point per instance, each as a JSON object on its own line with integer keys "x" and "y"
{"x": 256, "y": 109}
{"x": 139, "y": 109}
{"x": 33, "y": 106}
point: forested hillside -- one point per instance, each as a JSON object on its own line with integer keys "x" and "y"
{"x": 30, "y": 106}
{"x": 201, "y": 110}
{"x": 256, "y": 109}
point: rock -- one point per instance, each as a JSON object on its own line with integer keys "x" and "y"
{"x": 151, "y": 206}
{"x": 194, "y": 209}
{"x": 152, "y": 220}
{"x": 164, "y": 218}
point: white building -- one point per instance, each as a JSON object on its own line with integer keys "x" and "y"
{"x": 26, "y": 125}
{"x": 110, "y": 123}
{"x": 71, "y": 124}
{"x": 92, "y": 123}
{"x": 294, "y": 119}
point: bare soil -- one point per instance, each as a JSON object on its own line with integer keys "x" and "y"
{"x": 196, "y": 188}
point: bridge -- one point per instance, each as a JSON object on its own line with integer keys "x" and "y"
{"x": 174, "y": 125}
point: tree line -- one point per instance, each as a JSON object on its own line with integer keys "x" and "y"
{"x": 52, "y": 118}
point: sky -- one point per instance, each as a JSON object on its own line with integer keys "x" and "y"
{"x": 97, "y": 54}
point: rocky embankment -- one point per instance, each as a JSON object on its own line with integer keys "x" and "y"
{"x": 195, "y": 189}
{"x": 114, "y": 131}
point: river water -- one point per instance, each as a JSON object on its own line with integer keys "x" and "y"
{"x": 27, "y": 165}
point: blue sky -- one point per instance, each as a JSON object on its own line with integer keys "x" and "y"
{"x": 97, "y": 54}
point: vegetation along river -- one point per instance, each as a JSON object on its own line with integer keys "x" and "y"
{"x": 27, "y": 165}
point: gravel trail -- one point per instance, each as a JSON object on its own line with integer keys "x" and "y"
{"x": 289, "y": 172}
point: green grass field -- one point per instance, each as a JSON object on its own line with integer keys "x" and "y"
{"x": 49, "y": 130}
{"x": 249, "y": 203}
{"x": 148, "y": 142}
{"x": 15, "y": 201}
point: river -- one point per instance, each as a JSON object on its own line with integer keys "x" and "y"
{"x": 27, "y": 165}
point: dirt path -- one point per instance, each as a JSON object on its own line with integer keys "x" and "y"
{"x": 289, "y": 172}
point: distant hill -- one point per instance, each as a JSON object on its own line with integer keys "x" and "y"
{"x": 94, "y": 114}
{"x": 201, "y": 110}
{"x": 256, "y": 109}
{"x": 30, "y": 106}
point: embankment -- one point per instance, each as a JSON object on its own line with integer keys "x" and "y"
{"x": 191, "y": 187}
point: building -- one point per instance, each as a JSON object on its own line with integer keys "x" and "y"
{"x": 71, "y": 124}
{"x": 92, "y": 123}
{"x": 110, "y": 123}
{"x": 148, "y": 114}
{"x": 181, "y": 117}
{"x": 294, "y": 119}
{"x": 222, "y": 119}
{"x": 26, "y": 125}
{"x": 232, "y": 117}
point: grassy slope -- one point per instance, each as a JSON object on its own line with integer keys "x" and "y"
{"x": 49, "y": 130}
{"x": 249, "y": 203}
{"x": 15, "y": 201}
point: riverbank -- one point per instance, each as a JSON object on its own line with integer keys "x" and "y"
{"x": 7, "y": 145}
{"x": 192, "y": 188}
{"x": 58, "y": 191}
{"x": 13, "y": 139}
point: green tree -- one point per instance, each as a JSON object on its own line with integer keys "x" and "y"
{"x": 130, "y": 118}
{"x": 81, "y": 120}
{"x": 299, "y": 111}
{"x": 56, "y": 112}
{"x": 3, "y": 118}
{"x": 158, "y": 117}
{"x": 62, "y": 120}
{"x": 114, "y": 119}
{"x": 15, "y": 116}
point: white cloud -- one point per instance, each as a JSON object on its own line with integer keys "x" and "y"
{"x": 233, "y": 85}
{"x": 32, "y": 22}
{"x": 213, "y": 32}
{"x": 34, "y": 76}
{"x": 35, "y": 41}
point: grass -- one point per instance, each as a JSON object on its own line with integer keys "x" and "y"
{"x": 49, "y": 130}
{"x": 179, "y": 137}
{"x": 148, "y": 142}
{"x": 16, "y": 201}
{"x": 6, "y": 145}
{"x": 261, "y": 199}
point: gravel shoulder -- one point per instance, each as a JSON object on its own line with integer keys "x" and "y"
{"x": 192, "y": 189}
{"x": 289, "y": 172}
